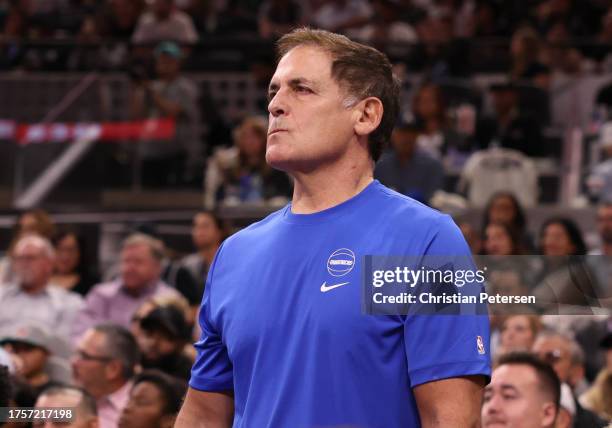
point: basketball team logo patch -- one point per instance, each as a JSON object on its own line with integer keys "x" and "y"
{"x": 480, "y": 345}
{"x": 341, "y": 262}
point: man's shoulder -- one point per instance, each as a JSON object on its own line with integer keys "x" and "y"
{"x": 64, "y": 295}
{"x": 266, "y": 225}
{"x": 396, "y": 205}
{"x": 105, "y": 289}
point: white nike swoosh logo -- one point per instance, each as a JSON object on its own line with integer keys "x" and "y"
{"x": 325, "y": 288}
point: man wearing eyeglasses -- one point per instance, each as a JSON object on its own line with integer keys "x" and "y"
{"x": 566, "y": 357}
{"x": 103, "y": 364}
{"x": 32, "y": 298}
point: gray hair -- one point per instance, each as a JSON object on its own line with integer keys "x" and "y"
{"x": 43, "y": 244}
{"x": 575, "y": 350}
{"x": 155, "y": 245}
{"x": 86, "y": 404}
{"x": 120, "y": 345}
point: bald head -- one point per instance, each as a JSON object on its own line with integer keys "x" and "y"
{"x": 33, "y": 259}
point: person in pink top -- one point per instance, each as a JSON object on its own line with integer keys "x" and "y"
{"x": 103, "y": 364}
{"x": 139, "y": 280}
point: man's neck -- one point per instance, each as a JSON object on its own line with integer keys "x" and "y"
{"x": 33, "y": 288}
{"x": 330, "y": 186}
{"x": 137, "y": 292}
{"x": 109, "y": 389}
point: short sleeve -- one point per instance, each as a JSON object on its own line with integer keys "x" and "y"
{"x": 446, "y": 346}
{"x": 212, "y": 370}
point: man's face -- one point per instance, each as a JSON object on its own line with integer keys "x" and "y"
{"x": 144, "y": 409}
{"x": 138, "y": 267}
{"x": 604, "y": 223}
{"x": 156, "y": 344}
{"x": 309, "y": 127}
{"x": 65, "y": 400}
{"x": 32, "y": 266}
{"x": 89, "y": 362}
{"x": 514, "y": 399}
{"x": 32, "y": 358}
{"x": 205, "y": 231}
{"x": 556, "y": 352}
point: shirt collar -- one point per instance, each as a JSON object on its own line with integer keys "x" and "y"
{"x": 118, "y": 398}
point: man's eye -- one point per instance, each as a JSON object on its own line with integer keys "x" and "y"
{"x": 509, "y": 396}
{"x": 303, "y": 89}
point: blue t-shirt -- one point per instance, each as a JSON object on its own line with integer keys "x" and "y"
{"x": 296, "y": 348}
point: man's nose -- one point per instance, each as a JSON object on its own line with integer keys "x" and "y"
{"x": 277, "y": 105}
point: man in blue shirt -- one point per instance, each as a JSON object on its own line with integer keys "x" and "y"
{"x": 284, "y": 340}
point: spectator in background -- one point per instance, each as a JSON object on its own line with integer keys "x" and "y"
{"x": 559, "y": 53}
{"x": 500, "y": 239}
{"x": 518, "y": 333}
{"x": 82, "y": 404}
{"x": 72, "y": 266}
{"x": 599, "y": 182}
{"x": 103, "y": 364}
{"x": 566, "y": 357}
{"x": 523, "y": 392}
{"x": 162, "y": 336}
{"x": 240, "y": 173}
{"x": 342, "y": 16}
{"x": 429, "y": 112}
{"x": 277, "y": 17}
{"x": 386, "y": 26}
{"x": 504, "y": 207}
{"x": 604, "y": 227}
{"x": 206, "y": 235}
{"x": 561, "y": 237}
{"x": 116, "y": 301}
{"x": 164, "y": 22}
{"x": 118, "y": 18}
{"x": 408, "y": 169}
{"x": 525, "y": 48}
{"x": 30, "y": 347}
{"x": 35, "y": 222}
{"x": 155, "y": 400}
{"x": 598, "y": 398}
{"x": 33, "y": 298}
{"x": 170, "y": 95}
{"x": 509, "y": 127}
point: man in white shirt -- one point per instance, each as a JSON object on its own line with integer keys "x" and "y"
{"x": 32, "y": 298}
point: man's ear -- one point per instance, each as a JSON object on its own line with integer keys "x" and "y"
{"x": 370, "y": 113}
{"x": 549, "y": 414}
{"x": 113, "y": 369}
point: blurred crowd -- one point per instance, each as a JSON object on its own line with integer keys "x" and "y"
{"x": 456, "y": 134}
{"x": 115, "y": 343}
{"x": 116, "y": 339}
{"x": 567, "y": 35}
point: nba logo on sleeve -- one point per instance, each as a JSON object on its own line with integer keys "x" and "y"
{"x": 480, "y": 345}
